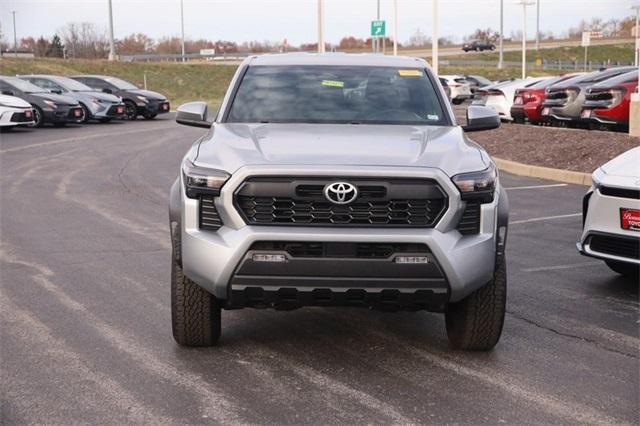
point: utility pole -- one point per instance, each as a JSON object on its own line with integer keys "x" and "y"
{"x": 182, "y": 27}
{"x": 636, "y": 61}
{"x": 524, "y": 36}
{"x": 395, "y": 27}
{"x": 537, "y": 24}
{"x": 320, "y": 26}
{"x": 377, "y": 38}
{"x": 15, "y": 37}
{"x": 112, "y": 44}
{"x": 500, "y": 47}
{"x": 434, "y": 38}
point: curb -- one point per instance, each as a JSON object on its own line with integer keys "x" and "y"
{"x": 566, "y": 176}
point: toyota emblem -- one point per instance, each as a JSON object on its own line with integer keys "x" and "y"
{"x": 340, "y": 192}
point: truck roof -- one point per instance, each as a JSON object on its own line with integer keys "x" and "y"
{"x": 354, "y": 59}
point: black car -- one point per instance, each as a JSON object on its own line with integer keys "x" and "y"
{"x": 48, "y": 107}
{"x": 477, "y": 81}
{"x": 137, "y": 101}
{"x": 478, "y": 45}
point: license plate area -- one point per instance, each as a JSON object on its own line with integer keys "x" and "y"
{"x": 546, "y": 111}
{"x": 630, "y": 219}
{"x": 518, "y": 100}
{"x": 586, "y": 113}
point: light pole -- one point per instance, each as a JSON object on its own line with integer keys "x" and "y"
{"x": 15, "y": 37}
{"x": 182, "y": 28}
{"x": 320, "y": 26}
{"x": 434, "y": 38}
{"x": 524, "y": 37}
{"x": 377, "y": 38}
{"x": 395, "y": 27}
{"x": 500, "y": 48}
{"x": 112, "y": 45}
{"x": 637, "y": 55}
{"x": 537, "y": 24}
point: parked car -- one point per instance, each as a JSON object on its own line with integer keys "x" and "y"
{"x": 305, "y": 192}
{"x": 14, "y": 112}
{"x": 500, "y": 96}
{"x": 445, "y": 86}
{"x": 460, "y": 88}
{"x": 477, "y": 82}
{"x": 137, "y": 101}
{"x": 563, "y": 101}
{"x": 527, "y": 102}
{"x": 478, "y": 45}
{"x": 607, "y": 104}
{"x": 95, "y": 105}
{"x": 611, "y": 215}
{"x": 47, "y": 107}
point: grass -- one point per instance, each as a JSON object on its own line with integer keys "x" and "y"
{"x": 622, "y": 53}
{"x": 179, "y": 82}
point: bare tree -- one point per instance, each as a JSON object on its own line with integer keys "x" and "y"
{"x": 85, "y": 40}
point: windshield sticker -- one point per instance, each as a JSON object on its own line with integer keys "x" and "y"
{"x": 332, "y": 83}
{"x": 432, "y": 117}
{"x": 410, "y": 73}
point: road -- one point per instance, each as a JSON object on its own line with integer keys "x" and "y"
{"x": 86, "y": 332}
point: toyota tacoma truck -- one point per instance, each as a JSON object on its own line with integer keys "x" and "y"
{"x": 338, "y": 180}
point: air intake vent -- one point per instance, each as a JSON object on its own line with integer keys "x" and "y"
{"x": 470, "y": 221}
{"x": 209, "y": 218}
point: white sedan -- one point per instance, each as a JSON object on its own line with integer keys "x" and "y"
{"x": 500, "y": 95}
{"x": 611, "y": 215}
{"x": 15, "y": 111}
{"x": 460, "y": 88}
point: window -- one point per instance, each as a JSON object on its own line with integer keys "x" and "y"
{"x": 336, "y": 94}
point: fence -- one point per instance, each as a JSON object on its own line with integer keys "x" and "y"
{"x": 544, "y": 65}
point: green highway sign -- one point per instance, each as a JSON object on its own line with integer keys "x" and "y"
{"x": 378, "y": 28}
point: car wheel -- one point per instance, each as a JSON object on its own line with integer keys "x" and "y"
{"x": 475, "y": 323}
{"x": 38, "y": 117}
{"x": 150, "y": 116}
{"x": 628, "y": 270}
{"x": 195, "y": 313}
{"x": 130, "y": 110}
{"x": 493, "y": 48}
{"x": 457, "y": 101}
{"x": 86, "y": 115}
{"x": 477, "y": 49}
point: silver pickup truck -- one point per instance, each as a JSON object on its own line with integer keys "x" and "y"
{"x": 338, "y": 180}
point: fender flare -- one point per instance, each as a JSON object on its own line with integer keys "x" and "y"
{"x": 175, "y": 220}
{"x": 502, "y": 223}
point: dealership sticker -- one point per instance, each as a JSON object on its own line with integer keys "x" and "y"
{"x": 333, "y": 83}
{"x": 433, "y": 117}
{"x": 409, "y": 73}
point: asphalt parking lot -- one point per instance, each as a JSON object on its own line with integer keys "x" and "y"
{"x": 86, "y": 331}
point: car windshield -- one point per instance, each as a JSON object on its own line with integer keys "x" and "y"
{"x": 22, "y": 85}
{"x": 336, "y": 94}
{"x": 121, "y": 84}
{"x": 71, "y": 84}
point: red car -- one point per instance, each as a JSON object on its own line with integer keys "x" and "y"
{"x": 527, "y": 102}
{"x": 607, "y": 103}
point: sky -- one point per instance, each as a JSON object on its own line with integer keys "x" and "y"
{"x": 295, "y": 20}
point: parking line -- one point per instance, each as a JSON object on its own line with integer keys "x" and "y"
{"x": 555, "y": 185}
{"x": 542, "y": 219}
{"x": 559, "y": 267}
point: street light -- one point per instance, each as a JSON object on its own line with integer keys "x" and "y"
{"x": 320, "y": 26}
{"x": 500, "y": 57}
{"x": 182, "y": 28}
{"x": 395, "y": 27}
{"x": 537, "y": 24}
{"x": 15, "y": 37}
{"x": 524, "y": 36}
{"x": 112, "y": 45}
{"x": 434, "y": 38}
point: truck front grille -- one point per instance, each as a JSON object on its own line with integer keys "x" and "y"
{"x": 291, "y": 201}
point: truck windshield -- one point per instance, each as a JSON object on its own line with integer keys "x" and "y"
{"x": 336, "y": 94}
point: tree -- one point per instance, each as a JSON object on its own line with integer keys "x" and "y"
{"x": 135, "y": 44}
{"x": 487, "y": 34}
{"x": 350, "y": 42}
{"x": 418, "y": 39}
{"x": 56, "y": 49}
{"x": 42, "y": 47}
{"x": 85, "y": 40}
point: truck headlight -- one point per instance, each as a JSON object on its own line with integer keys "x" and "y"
{"x": 202, "y": 181}
{"x": 478, "y": 186}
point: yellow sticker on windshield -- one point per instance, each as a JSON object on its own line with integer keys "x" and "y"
{"x": 332, "y": 83}
{"x": 410, "y": 73}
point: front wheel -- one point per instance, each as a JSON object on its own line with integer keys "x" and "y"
{"x": 475, "y": 323}
{"x": 86, "y": 115}
{"x": 195, "y": 313}
{"x": 38, "y": 117}
{"x": 628, "y": 270}
{"x": 130, "y": 111}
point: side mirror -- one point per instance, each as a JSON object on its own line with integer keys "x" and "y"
{"x": 193, "y": 114}
{"x": 8, "y": 93}
{"x": 56, "y": 91}
{"x": 107, "y": 90}
{"x": 481, "y": 118}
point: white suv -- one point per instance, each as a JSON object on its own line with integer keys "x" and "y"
{"x": 611, "y": 214}
{"x": 460, "y": 88}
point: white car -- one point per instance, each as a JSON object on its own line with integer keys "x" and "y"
{"x": 14, "y": 111}
{"x": 460, "y": 88}
{"x": 611, "y": 215}
{"x": 500, "y": 95}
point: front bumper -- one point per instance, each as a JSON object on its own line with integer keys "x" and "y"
{"x": 108, "y": 110}
{"x": 16, "y": 116}
{"x": 153, "y": 107}
{"x": 63, "y": 114}
{"x": 466, "y": 263}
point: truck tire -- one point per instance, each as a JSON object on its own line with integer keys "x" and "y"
{"x": 195, "y": 313}
{"x": 475, "y": 323}
{"x": 625, "y": 269}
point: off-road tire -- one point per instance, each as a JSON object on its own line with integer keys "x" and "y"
{"x": 195, "y": 314}
{"x": 475, "y": 323}
{"x": 625, "y": 269}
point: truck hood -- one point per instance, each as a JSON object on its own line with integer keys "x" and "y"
{"x": 231, "y": 146}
